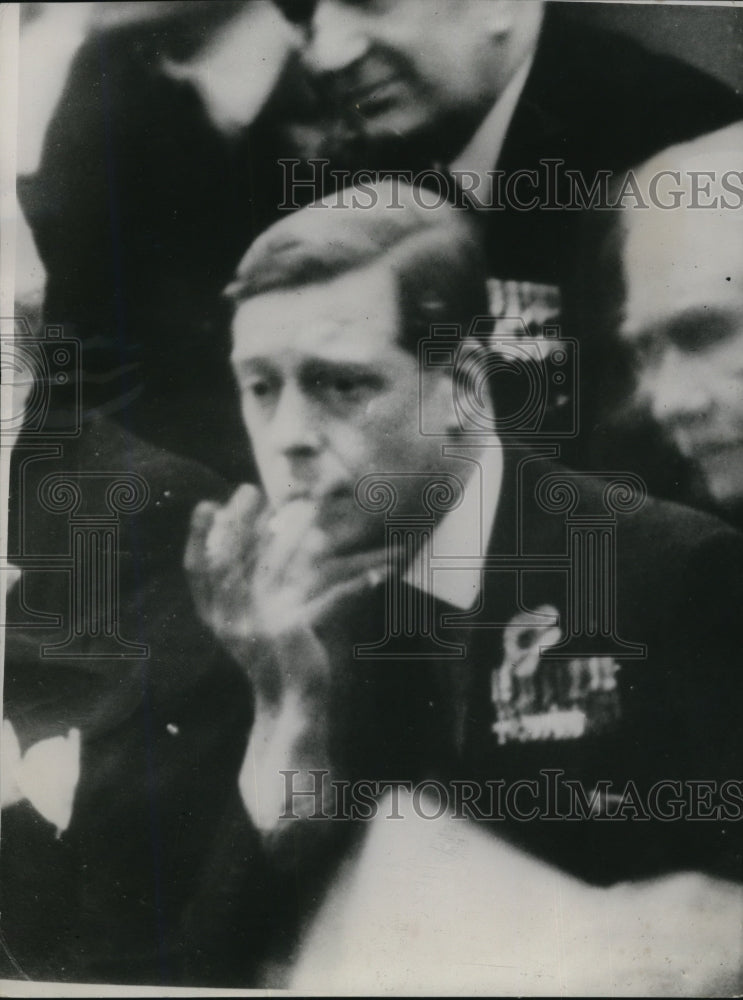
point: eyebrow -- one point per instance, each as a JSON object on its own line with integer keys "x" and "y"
{"x": 318, "y": 366}
{"x": 245, "y": 363}
{"x": 701, "y": 327}
{"x": 693, "y": 328}
{"x": 311, "y": 368}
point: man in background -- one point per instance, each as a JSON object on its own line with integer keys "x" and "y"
{"x": 503, "y": 85}
{"x": 517, "y": 109}
{"x": 667, "y": 287}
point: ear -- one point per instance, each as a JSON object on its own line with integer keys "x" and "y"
{"x": 473, "y": 401}
{"x": 441, "y": 416}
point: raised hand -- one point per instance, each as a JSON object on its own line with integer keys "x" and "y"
{"x": 269, "y": 585}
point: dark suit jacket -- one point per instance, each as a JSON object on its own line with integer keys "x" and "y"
{"x": 595, "y": 101}
{"x": 672, "y": 716}
{"x": 677, "y": 578}
{"x": 160, "y": 876}
{"x": 671, "y": 581}
{"x": 162, "y": 734}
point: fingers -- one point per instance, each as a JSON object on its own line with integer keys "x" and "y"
{"x": 218, "y": 538}
{"x": 252, "y": 575}
{"x": 221, "y": 534}
{"x": 241, "y": 524}
{"x": 292, "y": 542}
{"x": 195, "y": 559}
{"x": 202, "y": 519}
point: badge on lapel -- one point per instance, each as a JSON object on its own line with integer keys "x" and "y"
{"x": 538, "y": 698}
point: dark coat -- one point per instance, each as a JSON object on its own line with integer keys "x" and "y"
{"x": 677, "y": 579}
{"x": 672, "y": 715}
{"x": 162, "y": 734}
{"x": 658, "y": 608}
{"x": 160, "y": 876}
{"x": 594, "y": 101}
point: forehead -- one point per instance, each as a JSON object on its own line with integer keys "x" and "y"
{"x": 354, "y": 317}
{"x": 402, "y": 14}
{"x": 411, "y": 10}
{"x": 680, "y": 261}
{"x": 303, "y": 10}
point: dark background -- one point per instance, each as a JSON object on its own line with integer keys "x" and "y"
{"x": 706, "y": 35}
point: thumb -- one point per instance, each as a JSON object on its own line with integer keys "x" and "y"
{"x": 195, "y": 559}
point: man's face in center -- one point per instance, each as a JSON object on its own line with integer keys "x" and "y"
{"x": 329, "y": 395}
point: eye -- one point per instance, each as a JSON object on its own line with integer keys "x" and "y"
{"x": 340, "y": 386}
{"x": 344, "y": 385}
{"x": 648, "y": 349}
{"x": 700, "y": 329}
{"x": 258, "y": 388}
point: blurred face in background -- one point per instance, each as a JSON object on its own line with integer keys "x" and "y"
{"x": 406, "y": 68}
{"x": 683, "y": 317}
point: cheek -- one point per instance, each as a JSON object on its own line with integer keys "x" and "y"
{"x": 728, "y": 391}
{"x": 452, "y": 69}
{"x": 363, "y": 441}
{"x": 722, "y": 373}
{"x": 375, "y": 440}
{"x": 645, "y": 383}
{"x": 250, "y": 414}
{"x": 392, "y": 416}
{"x": 265, "y": 457}
{"x": 253, "y": 427}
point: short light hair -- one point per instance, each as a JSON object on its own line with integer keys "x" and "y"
{"x": 435, "y": 254}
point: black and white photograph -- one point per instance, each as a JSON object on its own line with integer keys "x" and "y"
{"x": 371, "y": 461}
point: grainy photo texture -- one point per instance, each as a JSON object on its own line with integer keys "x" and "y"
{"x": 372, "y": 450}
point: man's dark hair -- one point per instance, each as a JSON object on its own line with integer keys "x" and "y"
{"x": 434, "y": 253}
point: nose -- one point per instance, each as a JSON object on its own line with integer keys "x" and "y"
{"x": 677, "y": 390}
{"x": 294, "y": 429}
{"x": 336, "y": 37}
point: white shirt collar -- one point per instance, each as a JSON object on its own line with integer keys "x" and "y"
{"x": 450, "y": 565}
{"x": 481, "y": 153}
